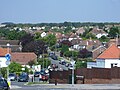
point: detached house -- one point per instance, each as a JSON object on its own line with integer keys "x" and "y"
{"x": 98, "y": 32}
{"x": 108, "y": 59}
{"x": 23, "y": 58}
{"x": 3, "y": 52}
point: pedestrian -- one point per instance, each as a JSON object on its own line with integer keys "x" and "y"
{"x": 55, "y": 81}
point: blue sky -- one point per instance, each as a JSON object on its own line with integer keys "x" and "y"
{"x": 38, "y": 11}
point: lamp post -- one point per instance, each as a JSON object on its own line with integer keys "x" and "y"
{"x": 8, "y": 59}
{"x": 73, "y": 63}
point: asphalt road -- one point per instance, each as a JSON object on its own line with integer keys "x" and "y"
{"x": 22, "y": 86}
{"x": 59, "y": 65}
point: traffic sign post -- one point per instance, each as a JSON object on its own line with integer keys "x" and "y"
{"x": 8, "y": 57}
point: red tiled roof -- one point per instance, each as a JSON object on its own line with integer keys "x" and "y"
{"x": 23, "y": 58}
{"x": 113, "y": 52}
{"x": 3, "y": 51}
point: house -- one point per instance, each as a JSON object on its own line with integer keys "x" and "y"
{"x": 108, "y": 59}
{"x": 97, "y": 51}
{"x": 90, "y": 44}
{"x": 98, "y": 32}
{"x": 15, "y": 45}
{"x": 80, "y": 31}
{"x": 23, "y": 58}
{"x": 73, "y": 36}
{"x": 3, "y": 52}
{"x": 115, "y": 41}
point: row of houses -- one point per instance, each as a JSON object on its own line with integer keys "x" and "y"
{"x": 17, "y": 55}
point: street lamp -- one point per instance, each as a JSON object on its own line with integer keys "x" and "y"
{"x": 73, "y": 63}
{"x": 8, "y": 59}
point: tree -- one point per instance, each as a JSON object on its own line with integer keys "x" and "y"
{"x": 26, "y": 39}
{"x": 71, "y": 54}
{"x": 104, "y": 39}
{"x": 113, "y": 32}
{"x": 38, "y": 47}
{"x": 84, "y": 53}
{"x": 81, "y": 64}
{"x": 64, "y": 49}
{"x": 66, "y": 42}
{"x": 68, "y": 29}
{"x": 31, "y": 63}
{"x": 50, "y": 39}
{"x": 90, "y": 35}
{"x": 15, "y": 67}
{"x": 44, "y": 62}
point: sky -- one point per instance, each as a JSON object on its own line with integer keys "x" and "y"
{"x": 57, "y": 11}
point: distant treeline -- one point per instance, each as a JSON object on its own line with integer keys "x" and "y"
{"x": 65, "y": 24}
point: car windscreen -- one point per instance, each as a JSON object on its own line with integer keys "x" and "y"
{"x": 11, "y": 74}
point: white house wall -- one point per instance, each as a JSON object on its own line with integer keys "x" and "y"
{"x": 3, "y": 62}
{"x": 108, "y": 62}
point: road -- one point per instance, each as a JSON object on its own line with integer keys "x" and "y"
{"x": 21, "y": 86}
{"x": 59, "y": 65}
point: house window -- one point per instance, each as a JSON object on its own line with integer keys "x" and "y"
{"x": 114, "y": 65}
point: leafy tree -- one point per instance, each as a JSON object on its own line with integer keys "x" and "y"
{"x": 64, "y": 49}
{"x": 90, "y": 35}
{"x": 38, "y": 47}
{"x": 84, "y": 53}
{"x": 4, "y": 72}
{"x": 17, "y": 67}
{"x": 71, "y": 53}
{"x": 26, "y": 39}
{"x": 26, "y": 69}
{"x": 81, "y": 64}
{"x": 50, "y": 39}
{"x": 66, "y": 42}
{"x": 31, "y": 63}
{"x": 104, "y": 39}
{"x": 37, "y": 36}
{"x": 68, "y": 29}
{"x": 15, "y": 35}
{"x": 113, "y": 32}
{"x": 44, "y": 62}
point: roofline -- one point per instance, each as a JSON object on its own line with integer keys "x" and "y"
{"x": 98, "y": 48}
{"x": 108, "y": 48}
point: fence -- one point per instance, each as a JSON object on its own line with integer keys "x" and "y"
{"x": 88, "y": 76}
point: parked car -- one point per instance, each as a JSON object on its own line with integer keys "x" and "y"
{"x": 54, "y": 57}
{"x": 23, "y": 78}
{"x": 54, "y": 66}
{"x": 4, "y": 84}
{"x": 62, "y": 62}
{"x": 67, "y": 64}
{"x": 36, "y": 74}
{"x": 12, "y": 76}
{"x": 44, "y": 77}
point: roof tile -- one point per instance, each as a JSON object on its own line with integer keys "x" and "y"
{"x": 113, "y": 52}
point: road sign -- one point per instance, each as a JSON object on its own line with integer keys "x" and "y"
{"x": 7, "y": 62}
{"x": 8, "y": 56}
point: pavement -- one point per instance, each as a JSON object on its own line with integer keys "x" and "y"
{"x": 81, "y": 86}
{"x": 87, "y": 86}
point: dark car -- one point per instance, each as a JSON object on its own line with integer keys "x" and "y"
{"x": 36, "y": 74}
{"x": 54, "y": 57}
{"x": 44, "y": 78}
{"x": 4, "y": 84}
{"x": 23, "y": 78}
{"x": 12, "y": 76}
